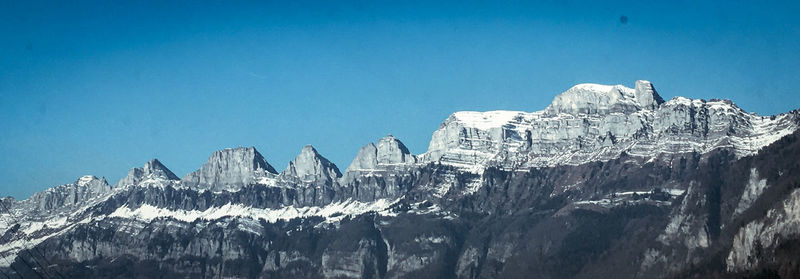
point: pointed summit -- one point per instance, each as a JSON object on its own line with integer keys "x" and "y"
{"x": 153, "y": 171}
{"x": 230, "y": 169}
{"x": 388, "y": 151}
{"x": 310, "y": 165}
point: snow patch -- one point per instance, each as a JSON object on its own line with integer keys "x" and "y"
{"x": 485, "y": 120}
{"x": 332, "y": 212}
{"x": 85, "y": 180}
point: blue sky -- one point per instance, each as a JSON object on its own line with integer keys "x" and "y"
{"x": 95, "y": 88}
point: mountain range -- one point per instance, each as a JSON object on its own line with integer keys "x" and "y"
{"x": 605, "y": 182}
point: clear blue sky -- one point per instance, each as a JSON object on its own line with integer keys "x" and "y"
{"x": 93, "y": 88}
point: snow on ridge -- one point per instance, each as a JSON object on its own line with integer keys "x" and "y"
{"x": 333, "y": 212}
{"x": 486, "y": 120}
{"x": 85, "y": 180}
{"x": 608, "y": 120}
{"x": 597, "y": 87}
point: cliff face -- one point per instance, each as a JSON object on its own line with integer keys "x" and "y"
{"x": 230, "y": 169}
{"x": 607, "y": 181}
{"x": 591, "y": 122}
{"x": 67, "y": 196}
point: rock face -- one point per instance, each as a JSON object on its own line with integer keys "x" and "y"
{"x": 389, "y": 154}
{"x": 153, "y": 172}
{"x": 606, "y": 182}
{"x": 591, "y": 122}
{"x": 603, "y": 99}
{"x": 230, "y": 169}
{"x": 69, "y": 195}
{"x": 311, "y": 166}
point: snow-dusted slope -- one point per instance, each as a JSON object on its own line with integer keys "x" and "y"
{"x": 591, "y": 122}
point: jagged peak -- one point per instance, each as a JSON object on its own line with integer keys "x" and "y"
{"x": 155, "y": 166}
{"x": 152, "y": 170}
{"x": 86, "y": 179}
{"x": 230, "y": 169}
{"x": 310, "y": 164}
{"x": 246, "y": 154}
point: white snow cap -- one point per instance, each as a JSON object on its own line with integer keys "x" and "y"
{"x": 598, "y": 98}
{"x": 86, "y": 179}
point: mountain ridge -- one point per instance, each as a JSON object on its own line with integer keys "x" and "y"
{"x": 667, "y": 180}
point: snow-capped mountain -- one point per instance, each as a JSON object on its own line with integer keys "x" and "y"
{"x": 591, "y": 122}
{"x": 607, "y": 181}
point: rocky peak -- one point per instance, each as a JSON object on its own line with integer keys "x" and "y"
{"x": 392, "y": 151}
{"x": 592, "y": 122}
{"x": 83, "y": 189}
{"x": 310, "y": 165}
{"x": 389, "y": 151}
{"x": 646, "y": 95}
{"x": 153, "y": 171}
{"x": 230, "y": 169}
{"x": 93, "y": 183}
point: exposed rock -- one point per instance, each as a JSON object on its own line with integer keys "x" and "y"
{"x": 153, "y": 172}
{"x": 607, "y": 182}
{"x": 591, "y": 122}
{"x": 70, "y": 195}
{"x": 309, "y": 165}
{"x": 230, "y": 169}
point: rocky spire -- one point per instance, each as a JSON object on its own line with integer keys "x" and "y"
{"x": 310, "y": 165}
{"x": 152, "y": 170}
{"x": 230, "y": 169}
{"x": 646, "y": 95}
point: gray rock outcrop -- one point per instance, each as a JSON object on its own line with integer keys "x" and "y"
{"x": 230, "y": 169}
{"x": 591, "y": 122}
{"x": 389, "y": 154}
{"x": 70, "y": 195}
{"x": 310, "y": 166}
{"x": 153, "y": 172}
